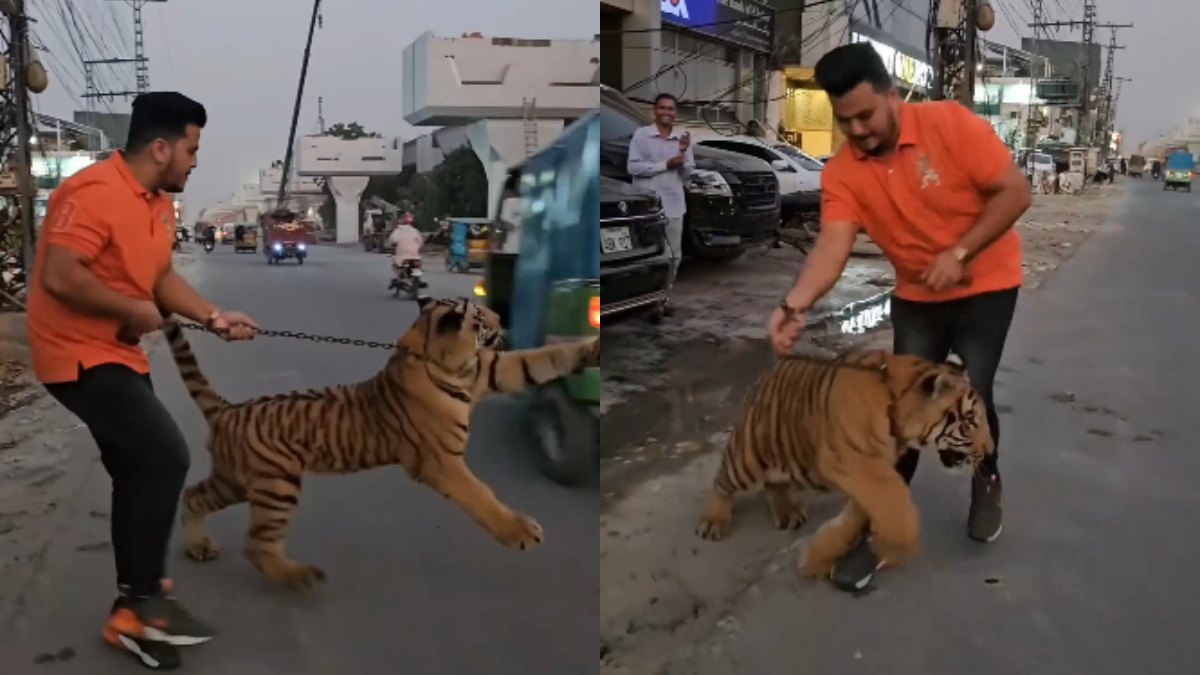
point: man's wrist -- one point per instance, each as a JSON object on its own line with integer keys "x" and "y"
{"x": 794, "y": 303}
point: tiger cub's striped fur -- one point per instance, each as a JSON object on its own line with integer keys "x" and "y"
{"x": 414, "y": 413}
{"x": 843, "y": 425}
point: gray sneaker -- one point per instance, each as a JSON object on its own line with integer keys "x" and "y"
{"x": 854, "y": 571}
{"x": 986, "y": 518}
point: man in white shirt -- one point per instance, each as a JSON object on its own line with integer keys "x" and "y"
{"x": 408, "y": 241}
{"x": 660, "y": 159}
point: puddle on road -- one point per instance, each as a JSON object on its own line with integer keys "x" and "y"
{"x": 655, "y": 431}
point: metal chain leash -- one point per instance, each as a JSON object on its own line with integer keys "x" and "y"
{"x": 306, "y": 336}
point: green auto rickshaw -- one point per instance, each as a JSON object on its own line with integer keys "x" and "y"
{"x": 545, "y": 270}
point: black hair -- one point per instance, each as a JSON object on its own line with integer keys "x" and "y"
{"x": 665, "y": 95}
{"x": 848, "y": 66}
{"x": 162, "y": 114}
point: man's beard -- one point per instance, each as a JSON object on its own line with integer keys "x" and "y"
{"x": 889, "y": 141}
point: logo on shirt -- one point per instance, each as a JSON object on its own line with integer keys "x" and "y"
{"x": 623, "y": 208}
{"x": 929, "y": 175}
{"x": 64, "y": 217}
{"x": 677, "y": 8}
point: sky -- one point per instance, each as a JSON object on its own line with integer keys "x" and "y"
{"x": 241, "y": 59}
{"x": 1159, "y": 55}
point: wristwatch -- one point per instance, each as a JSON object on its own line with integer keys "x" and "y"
{"x": 212, "y": 318}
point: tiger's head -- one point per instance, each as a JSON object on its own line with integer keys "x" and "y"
{"x": 452, "y": 330}
{"x": 938, "y": 410}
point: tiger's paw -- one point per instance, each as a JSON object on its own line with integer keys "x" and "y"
{"x": 297, "y": 576}
{"x": 714, "y": 528}
{"x": 520, "y": 532}
{"x": 792, "y": 518}
{"x": 591, "y": 352}
{"x": 814, "y": 567}
{"x": 203, "y": 551}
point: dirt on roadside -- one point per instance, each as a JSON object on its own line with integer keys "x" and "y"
{"x": 664, "y": 590}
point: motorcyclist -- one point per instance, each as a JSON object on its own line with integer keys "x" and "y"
{"x": 408, "y": 241}
{"x": 209, "y": 235}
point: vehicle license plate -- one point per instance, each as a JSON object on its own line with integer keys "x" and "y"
{"x": 615, "y": 239}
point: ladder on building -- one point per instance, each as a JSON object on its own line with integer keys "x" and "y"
{"x": 529, "y": 116}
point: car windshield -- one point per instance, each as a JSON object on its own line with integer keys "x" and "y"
{"x": 807, "y": 163}
{"x": 618, "y": 119}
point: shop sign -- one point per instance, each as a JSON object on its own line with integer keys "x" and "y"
{"x": 742, "y": 22}
{"x": 910, "y": 71}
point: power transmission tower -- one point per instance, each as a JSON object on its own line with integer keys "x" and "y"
{"x": 529, "y": 116}
{"x": 954, "y": 51}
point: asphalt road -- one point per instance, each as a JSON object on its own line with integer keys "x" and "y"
{"x": 1096, "y": 571}
{"x": 414, "y": 585}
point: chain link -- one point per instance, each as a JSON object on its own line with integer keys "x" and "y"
{"x": 305, "y": 336}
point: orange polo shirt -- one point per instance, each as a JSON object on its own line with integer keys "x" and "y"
{"x": 922, "y": 199}
{"x": 125, "y": 232}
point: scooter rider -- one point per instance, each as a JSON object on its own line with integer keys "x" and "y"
{"x": 408, "y": 241}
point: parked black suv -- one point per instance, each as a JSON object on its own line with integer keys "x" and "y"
{"x": 732, "y": 200}
{"x": 634, "y": 263}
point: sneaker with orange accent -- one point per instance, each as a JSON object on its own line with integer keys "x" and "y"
{"x": 124, "y": 631}
{"x": 162, "y": 618}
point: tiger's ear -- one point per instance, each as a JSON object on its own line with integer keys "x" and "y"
{"x": 937, "y": 384}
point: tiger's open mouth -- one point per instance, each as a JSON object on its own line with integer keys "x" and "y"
{"x": 952, "y": 460}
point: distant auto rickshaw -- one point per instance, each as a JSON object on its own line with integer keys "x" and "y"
{"x": 284, "y": 237}
{"x": 468, "y": 244}
{"x": 555, "y": 293}
{"x": 248, "y": 243}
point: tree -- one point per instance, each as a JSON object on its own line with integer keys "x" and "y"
{"x": 351, "y": 131}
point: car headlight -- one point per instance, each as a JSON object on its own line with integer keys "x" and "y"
{"x": 278, "y": 247}
{"x": 708, "y": 183}
{"x": 302, "y": 246}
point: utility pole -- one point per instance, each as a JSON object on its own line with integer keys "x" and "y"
{"x": 18, "y": 32}
{"x": 1035, "y": 65}
{"x": 954, "y": 52}
{"x": 141, "y": 63}
{"x": 287, "y": 157}
{"x": 321, "y": 113}
{"x": 1106, "y": 92}
{"x": 1089, "y": 26}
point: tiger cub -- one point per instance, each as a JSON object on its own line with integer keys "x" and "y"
{"x": 843, "y": 424}
{"x": 413, "y": 413}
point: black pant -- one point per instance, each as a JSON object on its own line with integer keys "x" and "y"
{"x": 145, "y": 455}
{"x": 975, "y": 328}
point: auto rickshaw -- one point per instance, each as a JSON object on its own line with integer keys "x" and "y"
{"x": 555, "y": 293}
{"x": 284, "y": 237}
{"x": 249, "y": 241}
{"x": 468, "y": 244}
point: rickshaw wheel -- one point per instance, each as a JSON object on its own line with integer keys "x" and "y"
{"x": 567, "y": 435}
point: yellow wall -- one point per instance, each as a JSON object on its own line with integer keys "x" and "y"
{"x": 807, "y": 112}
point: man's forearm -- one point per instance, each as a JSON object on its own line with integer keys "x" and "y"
{"x": 999, "y": 215}
{"x": 77, "y": 288}
{"x": 175, "y": 295}
{"x": 822, "y": 269}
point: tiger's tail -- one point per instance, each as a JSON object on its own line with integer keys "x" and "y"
{"x": 207, "y": 398}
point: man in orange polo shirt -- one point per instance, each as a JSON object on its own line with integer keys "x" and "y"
{"x": 103, "y": 279}
{"x": 937, "y": 190}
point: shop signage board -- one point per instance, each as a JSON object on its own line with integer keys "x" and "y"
{"x": 741, "y": 22}
{"x": 910, "y": 71}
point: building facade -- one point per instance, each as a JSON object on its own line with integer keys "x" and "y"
{"x": 801, "y": 111}
{"x": 712, "y": 55}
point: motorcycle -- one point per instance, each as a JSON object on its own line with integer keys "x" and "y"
{"x": 407, "y": 279}
{"x": 208, "y": 245}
